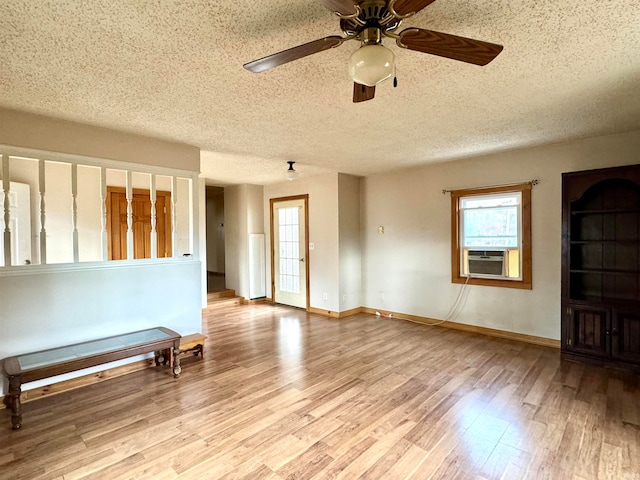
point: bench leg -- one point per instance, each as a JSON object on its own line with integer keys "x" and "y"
{"x": 162, "y": 357}
{"x": 13, "y": 402}
{"x": 176, "y": 362}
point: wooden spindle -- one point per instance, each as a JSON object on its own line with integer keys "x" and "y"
{"x": 43, "y": 215}
{"x": 154, "y": 233}
{"x": 174, "y": 206}
{"x": 74, "y": 211}
{"x": 6, "y": 188}
{"x": 129, "y": 194}
{"x": 104, "y": 239}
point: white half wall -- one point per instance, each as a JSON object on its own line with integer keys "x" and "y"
{"x": 411, "y": 262}
{"x": 56, "y": 308}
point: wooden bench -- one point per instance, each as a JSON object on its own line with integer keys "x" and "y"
{"x": 29, "y": 367}
{"x": 193, "y": 343}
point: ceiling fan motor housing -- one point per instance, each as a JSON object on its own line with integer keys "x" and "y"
{"x": 373, "y": 14}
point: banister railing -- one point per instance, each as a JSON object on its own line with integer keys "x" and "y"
{"x": 75, "y": 216}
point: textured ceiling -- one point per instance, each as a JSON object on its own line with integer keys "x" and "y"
{"x": 173, "y": 69}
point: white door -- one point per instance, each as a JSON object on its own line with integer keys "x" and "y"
{"x": 289, "y": 255}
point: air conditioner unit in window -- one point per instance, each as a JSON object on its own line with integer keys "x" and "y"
{"x": 486, "y": 263}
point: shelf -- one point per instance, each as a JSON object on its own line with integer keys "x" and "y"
{"x": 609, "y": 301}
{"x": 606, "y": 272}
{"x": 601, "y": 265}
{"x": 603, "y": 212}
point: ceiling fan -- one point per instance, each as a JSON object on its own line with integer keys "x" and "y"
{"x": 369, "y": 21}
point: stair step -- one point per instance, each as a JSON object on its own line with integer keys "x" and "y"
{"x": 221, "y": 294}
{"x": 223, "y": 302}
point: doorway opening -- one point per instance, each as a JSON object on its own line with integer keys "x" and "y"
{"x": 215, "y": 239}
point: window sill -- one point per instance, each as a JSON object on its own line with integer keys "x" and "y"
{"x": 490, "y": 282}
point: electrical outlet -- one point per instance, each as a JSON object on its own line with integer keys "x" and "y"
{"x": 382, "y": 296}
{"x": 325, "y": 297}
{"x": 344, "y": 297}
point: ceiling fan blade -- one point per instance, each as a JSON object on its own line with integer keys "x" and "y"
{"x": 286, "y": 56}
{"x": 343, "y": 7}
{"x": 449, "y": 46}
{"x": 409, "y": 7}
{"x": 362, "y": 93}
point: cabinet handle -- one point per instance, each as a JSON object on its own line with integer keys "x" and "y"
{"x": 607, "y": 332}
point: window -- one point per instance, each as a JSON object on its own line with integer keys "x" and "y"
{"x": 491, "y": 236}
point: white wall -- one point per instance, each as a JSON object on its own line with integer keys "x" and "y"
{"x": 349, "y": 242}
{"x": 410, "y": 263}
{"x": 324, "y": 276}
{"x": 27, "y": 130}
{"x": 243, "y": 215}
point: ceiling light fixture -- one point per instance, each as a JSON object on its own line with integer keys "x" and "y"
{"x": 372, "y": 62}
{"x": 291, "y": 174}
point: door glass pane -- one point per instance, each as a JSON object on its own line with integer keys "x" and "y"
{"x": 289, "y": 248}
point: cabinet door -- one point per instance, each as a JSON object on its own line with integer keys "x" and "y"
{"x": 588, "y": 327}
{"x": 625, "y": 335}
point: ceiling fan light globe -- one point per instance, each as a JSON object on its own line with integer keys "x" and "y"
{"x": 371, "y": 64}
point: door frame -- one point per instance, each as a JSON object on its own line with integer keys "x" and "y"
{"x": 272, "y": 201}
{"x": 139, "y": 191}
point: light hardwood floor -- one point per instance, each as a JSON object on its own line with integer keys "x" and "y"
{"x": 283, "y": 394}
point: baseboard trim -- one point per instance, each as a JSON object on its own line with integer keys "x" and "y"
{"x": 492, "y": 332}
{"x": 83, "y": 381}
{"x": 244, "y": 301}
{"x": 326, "y": 313}
{"x": 348, "y": 313}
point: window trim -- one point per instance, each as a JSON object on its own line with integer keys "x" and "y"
{"x": 456, "y": 276}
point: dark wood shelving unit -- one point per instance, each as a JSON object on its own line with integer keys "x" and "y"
{"x": 601, "y": 266}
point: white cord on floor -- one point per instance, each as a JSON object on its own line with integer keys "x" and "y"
{"x": 453, "y": 312}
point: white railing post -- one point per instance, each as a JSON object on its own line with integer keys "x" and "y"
{"x": 154, "y": 233}
{"x": 6, "y": 187}
{"x": 174, "y": 206}
{"x": 129, "y": 194}
{"x": 194, "y": 215}
{"x": 43, "y": 214}
{"x": 104, "y": 240}
{"x": 74, "y": 211}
